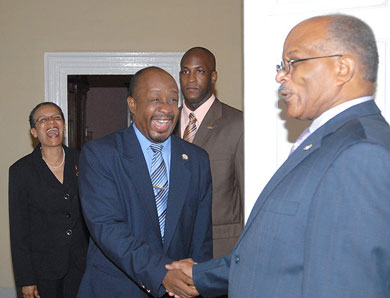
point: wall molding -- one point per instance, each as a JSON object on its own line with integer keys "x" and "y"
{"x": 58, "y": 65}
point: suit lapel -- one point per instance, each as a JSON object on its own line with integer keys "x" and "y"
{"x": 178, "y": 187}
{"x": 137, "y": 172}
{"x": 309, "y": 146}
{"x": 209, "y": 123}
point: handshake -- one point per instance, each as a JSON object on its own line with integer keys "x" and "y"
{"x": 178, "y": 280}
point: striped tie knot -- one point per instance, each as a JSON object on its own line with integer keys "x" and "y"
{"x": 156, "y": 147}
{"x": 189, "y": 132}
{"x": 192, "y": 117}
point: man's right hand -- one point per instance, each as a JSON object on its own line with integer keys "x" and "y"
{"x": 184, "y": 265}
{"x": 178, "y": 284}
{"x": 30, "y": 291}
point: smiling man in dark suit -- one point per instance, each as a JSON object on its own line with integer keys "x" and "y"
{"x": 320, "y": 228}
{"x": 219, "y": 129}
{"x": 146, "y": 197}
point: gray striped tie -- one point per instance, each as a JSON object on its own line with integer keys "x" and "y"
{"x": 159, "y": 179}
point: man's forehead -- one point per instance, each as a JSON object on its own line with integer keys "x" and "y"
{"x": 198, "y": 57}
{"x": 311, "y": 29}
{"x": 156, "y": 80}
{"x": 171, "y": 89}
{"x": 308, "y": 35}
{"x": 155, "y": 76}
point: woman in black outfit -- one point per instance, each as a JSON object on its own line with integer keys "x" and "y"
{"x": 48, "y": 235}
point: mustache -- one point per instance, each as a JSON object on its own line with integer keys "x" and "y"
{"x": 170, "y": 116}
{"x": 281, "y": 89}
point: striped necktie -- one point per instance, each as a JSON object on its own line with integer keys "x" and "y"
{"x": 189, "y": 132}
{"x": 159, "y": 179}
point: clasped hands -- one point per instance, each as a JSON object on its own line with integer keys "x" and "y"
{"x": 178, "y": 280}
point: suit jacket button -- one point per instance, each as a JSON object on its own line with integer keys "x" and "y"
{"x": 236, "y": 259}
{"x": 66, "y": 196}
{"x": 68, "y": 215}
{"x": 69, "y": 232}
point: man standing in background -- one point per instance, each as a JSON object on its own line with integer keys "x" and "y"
{"x": 217, "y": 128}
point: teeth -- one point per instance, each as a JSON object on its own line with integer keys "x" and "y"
{"x": 162, "y": 121}
{"x": 52, "y": 132}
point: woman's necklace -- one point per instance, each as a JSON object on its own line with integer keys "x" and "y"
{"x": 60, "y": 165}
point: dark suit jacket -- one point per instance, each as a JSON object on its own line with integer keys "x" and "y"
{"x": 127, "y": 257}
{"x": 221, "y": 134}
{"x": 46, "y": 227}
{"x": 320, "y": 228}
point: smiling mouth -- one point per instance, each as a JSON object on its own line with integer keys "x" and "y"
{"x": 53, "y": 132}
{"x": 161, "y": 125}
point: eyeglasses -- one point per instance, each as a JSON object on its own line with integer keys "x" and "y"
{"x": 42, "y": 120}
{"x": 287, "y": 66}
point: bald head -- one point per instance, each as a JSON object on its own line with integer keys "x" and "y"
{"x": 327, "y": 60}
{"x": 347, "y": 35}
{"x": 202, "y": 52}
{"x": 136, "y": 78}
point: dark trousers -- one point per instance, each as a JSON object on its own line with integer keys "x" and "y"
{"x": 66, "y": 287}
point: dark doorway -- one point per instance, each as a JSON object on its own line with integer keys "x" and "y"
{"x": 97, "y": 106}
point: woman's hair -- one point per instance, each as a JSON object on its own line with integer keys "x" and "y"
{"x": 32, "y": 119}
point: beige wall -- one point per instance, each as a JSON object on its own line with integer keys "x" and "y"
{"x": 30, "y": 28}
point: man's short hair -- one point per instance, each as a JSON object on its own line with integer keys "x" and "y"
{"x": 134, "y": 79}
{"x": 31, "y": 117}
{"x": 356, "y": 36}
{"x": 208, "y": 53}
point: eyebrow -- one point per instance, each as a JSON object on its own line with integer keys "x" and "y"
{"x": 57, "y": 114}
{"x": 291, "y": 52}
{"x": 158, "y": 90}
{"x": 196, "y": 66}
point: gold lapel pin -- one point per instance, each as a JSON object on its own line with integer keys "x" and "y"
{"x": 184, "y": 156}
{"x": 308, "y": 147}
{"x": 210, "y": 127}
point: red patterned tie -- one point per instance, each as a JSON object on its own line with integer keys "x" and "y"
{"x": 189, "y": 132}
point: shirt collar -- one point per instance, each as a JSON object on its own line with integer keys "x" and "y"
{"x": 145, "y": 142}
{"x": 201, "y": 111}
{"x": 333, "y": 112}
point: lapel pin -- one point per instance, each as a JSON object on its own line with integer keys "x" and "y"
{"x": 184, "y": 156}
{"x": 308, "y": 147}
{"x": 210, "y": 127}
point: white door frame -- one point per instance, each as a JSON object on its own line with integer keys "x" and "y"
{"x": 58, "y": 65}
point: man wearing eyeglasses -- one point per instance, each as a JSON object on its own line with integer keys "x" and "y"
{"x": 320, "y": 228}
